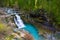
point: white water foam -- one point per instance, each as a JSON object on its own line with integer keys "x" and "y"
{"x": 19, "y": 21}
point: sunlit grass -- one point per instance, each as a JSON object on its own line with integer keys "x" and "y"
{"x": 4, "y": 30}
{"x": 9, "y": 37}
{"x": 3, "y": 27}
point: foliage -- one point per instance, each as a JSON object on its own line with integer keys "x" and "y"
{"x": 49, "y": 5}
{"x": 9, "y": 37}
{"x": 2, "y": 27}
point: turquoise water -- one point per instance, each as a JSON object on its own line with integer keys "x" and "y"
{"x": 33, "y": 31}
{"x": 29, "y": 27}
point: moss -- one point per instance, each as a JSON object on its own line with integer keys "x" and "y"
{"x": 2, "y": 27}
{"x": 4, "y": 30}
{"x": 9, "y": 37}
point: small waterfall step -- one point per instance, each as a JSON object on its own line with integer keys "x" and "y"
{"x": 19, "y": 22}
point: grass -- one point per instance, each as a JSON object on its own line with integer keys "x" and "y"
{"x": 4, "y": 30}
{"x": 2, "y": 27}
{"x": 9, "y": 37}
{"x": 49, "y": 5}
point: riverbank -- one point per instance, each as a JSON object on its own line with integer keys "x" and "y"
{"x": 42, "y": 30}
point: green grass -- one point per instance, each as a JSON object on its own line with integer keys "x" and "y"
{"x": 2, "y": 27}
{"x": 9, "y": 37}
{"x": 49, "y": 5}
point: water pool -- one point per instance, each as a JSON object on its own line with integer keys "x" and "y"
{"x": 33, "y": 31}
{"x": 29, "y": 27}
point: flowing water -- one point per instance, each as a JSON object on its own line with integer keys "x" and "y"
{"x": 18, "y": 21}
{"x": 28, "y": 27}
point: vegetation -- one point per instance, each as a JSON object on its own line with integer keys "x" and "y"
{"x": 51, "y": 6}
{"x": 9, "y": 37}
{"x": 4, "y": 30}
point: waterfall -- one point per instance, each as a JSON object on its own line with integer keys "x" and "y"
{"x": 19, "y": 22}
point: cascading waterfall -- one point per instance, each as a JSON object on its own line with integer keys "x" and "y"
{"x": 26, "y": 27}
{"x": 19, "y": 22}
{"x": 30, "y": 28}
